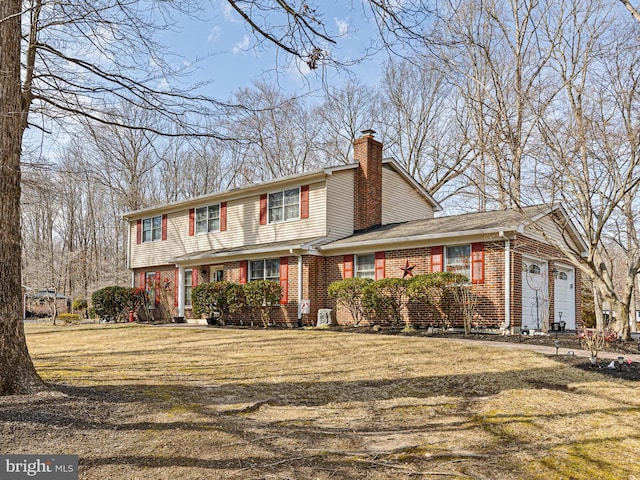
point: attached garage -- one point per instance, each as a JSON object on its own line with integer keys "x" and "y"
{"x": 564, "y": 297}
{"x": 535, "y": 293}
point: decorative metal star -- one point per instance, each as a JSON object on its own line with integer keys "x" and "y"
{"x": 407, "y": 269}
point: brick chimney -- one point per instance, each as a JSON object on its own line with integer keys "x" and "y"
{"x": 367, "y": 188}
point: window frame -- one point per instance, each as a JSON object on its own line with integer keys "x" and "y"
{"x": 357, "y": 266}
{"x": 150, "y": 287}
{"x": 462, "y": 268}
{"x": 151, "y": 229}
{"x": 265, "y": 267}
{"x": 283, "y": 207}
{"x": 207, "y": 219}
{"x": 188, "y": 287}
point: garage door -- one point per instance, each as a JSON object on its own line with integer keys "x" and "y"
{"x": 564, "y": 296}
{"x": 535, "y": 294}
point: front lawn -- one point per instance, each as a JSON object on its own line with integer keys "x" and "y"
{"x": 168, "y": 402}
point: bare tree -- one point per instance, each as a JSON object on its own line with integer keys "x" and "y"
{"x": 496, "y": 60}
{"x": 592, "y": 149}
{"x": 276, "y": 134}
{"x": 80, "y": 58}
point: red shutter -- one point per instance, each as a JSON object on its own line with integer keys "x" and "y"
{"x": 176, "y": 280}
{"x": 379, "y": 265}
{"x": 304, "y": 201}
{"x": 195, "y": 271}
{"x": 223, "y": 217}
{"x": 157, "y": 288}
{"x": 348, "y": 266}
{"x": 143, "y": 280}
{"x": 139, "y": 231}
{"x": 263, "y": 209}
{"x": 164, "y": 227}
{"x": 477, "y": 262}
{"x": 436, "y": 259}
{"x": 192, "y": 214}
{"x": 284, "y": 280}
{"x": 243, "y": 271}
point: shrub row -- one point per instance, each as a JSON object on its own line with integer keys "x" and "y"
{"x": 214, "y": 300}
{"x": 384, "y": 300}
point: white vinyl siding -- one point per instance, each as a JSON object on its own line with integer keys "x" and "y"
{"x": 340, "y": 205}
{"x": 243, "y": 228}
{"x": 400, "y": 201}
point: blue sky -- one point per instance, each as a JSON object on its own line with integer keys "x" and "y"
{"x": 220, "y": 47}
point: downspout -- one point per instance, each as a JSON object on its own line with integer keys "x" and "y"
{"x": 133, "y": 275}
{"x": 507, "y": 283}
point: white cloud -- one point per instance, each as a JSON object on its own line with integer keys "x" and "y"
{"x": 242, "y": 45}
{"x": 214, "y": 34}
{"x": 343, "y": 27}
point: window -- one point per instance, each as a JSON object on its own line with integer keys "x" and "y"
{"x": 188, "y": 287}
{"x": 533, "y": 268}
{"x": 152, "y": 229}
{"x": 150, "y": 287}
{"x": 458, "y": 260}
{"x": 264, "y": 270}
{"x": 216, "y": 274}
{"x": 365, "y": 266}
{"x": 284, "y": 206}
{"x": 208, "y": 219}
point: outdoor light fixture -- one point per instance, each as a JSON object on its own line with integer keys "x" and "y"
{"x": 620, "y": 362}
{"x": 557, "y": 344}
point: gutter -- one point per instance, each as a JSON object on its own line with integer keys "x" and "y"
{"x": 434, "y": 237}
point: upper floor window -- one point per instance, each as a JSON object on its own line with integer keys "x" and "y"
{"x": 284, "y": 206}
{"x": 152, "y": 229}
{"x": 208, "y": 219}
{"x": 457, "y": 259}
{"x": 365, "y": 266}
{"x": 264, "y": 269}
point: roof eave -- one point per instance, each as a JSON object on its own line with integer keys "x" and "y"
{"x": 431, "y": 238}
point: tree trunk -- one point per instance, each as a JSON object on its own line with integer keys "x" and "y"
{"x": 17, "y": 373}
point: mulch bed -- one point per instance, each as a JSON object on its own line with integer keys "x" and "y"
{"x": 568, "y": 343}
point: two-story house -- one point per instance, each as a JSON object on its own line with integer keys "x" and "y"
{"x": 369, "y": 218}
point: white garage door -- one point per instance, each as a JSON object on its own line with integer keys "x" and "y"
{"x": 535, "y": 294}
{"x": 564, "y": 296}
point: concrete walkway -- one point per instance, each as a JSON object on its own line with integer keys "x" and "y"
{"x": 547, "y": 350}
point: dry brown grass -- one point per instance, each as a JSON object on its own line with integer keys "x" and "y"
{"x": 197, "y": 403}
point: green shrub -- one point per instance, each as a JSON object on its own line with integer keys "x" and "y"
{"x": 217, "y": 299}
{"x": 262, "y": 296}
{"x": 348, "y": 292}
{"x": 385, "y": 299}
{"x": 79, "y": 304}
{"x": 114, "y": 303}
